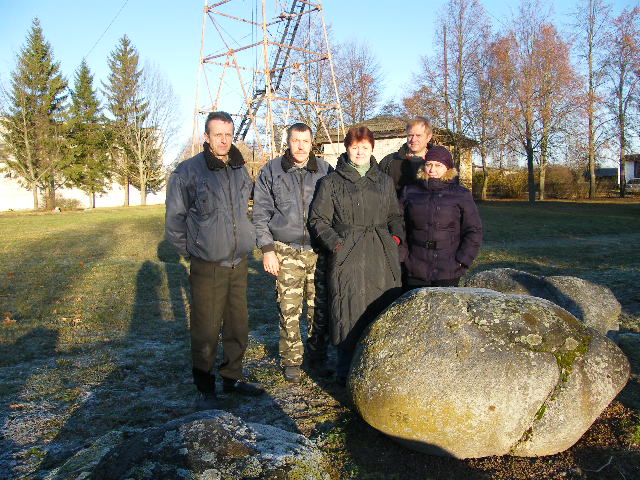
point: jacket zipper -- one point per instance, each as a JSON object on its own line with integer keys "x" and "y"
{"x": 233, "y": 219}
{"x": 304, "y": 214}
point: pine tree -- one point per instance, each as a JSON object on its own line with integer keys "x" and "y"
{"x": 125, "y": 101}
{"x": 33, "y": 121}
{"x": 87, "y": 166}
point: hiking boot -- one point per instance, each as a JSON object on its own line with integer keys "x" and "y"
{"x": 206, "y": 401}
{"x": 240, "y": 386}
{"x": 292, "y": 374}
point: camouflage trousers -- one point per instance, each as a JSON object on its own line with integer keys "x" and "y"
{"x": 301, "y": 277}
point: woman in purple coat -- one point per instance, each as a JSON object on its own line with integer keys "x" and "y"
{"x": 443, "y": 226}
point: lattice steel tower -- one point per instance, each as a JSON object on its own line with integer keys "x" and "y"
{"x": 269, "y": 66}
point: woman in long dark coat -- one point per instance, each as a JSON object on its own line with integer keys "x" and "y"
{"x": 444, "y": 231}
{"x": 356, "y": 218}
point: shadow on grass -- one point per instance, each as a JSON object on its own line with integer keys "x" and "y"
{"x": 43, "y": 341}
{"x": 38, "y": 282}
{"x": 150, "y": 382}
{"x": 147, "y": 364}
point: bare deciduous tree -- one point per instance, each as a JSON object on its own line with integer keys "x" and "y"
{"x": 557, "y": 91}
{"x": 592, "y": 21}
{"x": 621, "y": 66}
{"x": 359, "y": 80}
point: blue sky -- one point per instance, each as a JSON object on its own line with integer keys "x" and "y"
{"x": 167, "y": 34}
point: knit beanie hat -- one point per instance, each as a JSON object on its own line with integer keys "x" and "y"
{"x": 440, "y": 154}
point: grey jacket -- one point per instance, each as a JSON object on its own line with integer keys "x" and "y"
{"x": 207, "y": 205}
{"x": 281, "y": 201}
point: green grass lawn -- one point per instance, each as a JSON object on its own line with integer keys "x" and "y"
{"x": 93, "y": 333}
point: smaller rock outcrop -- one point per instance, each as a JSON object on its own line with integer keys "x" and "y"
{"x": 208, "y": 445}
{"x": 595, "y": 305}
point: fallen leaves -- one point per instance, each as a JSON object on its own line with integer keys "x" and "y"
{"x": 7, "y": 319}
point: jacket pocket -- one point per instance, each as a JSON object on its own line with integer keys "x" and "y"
{"x": 282, "y": 192}
{"x": 204, "y": 198}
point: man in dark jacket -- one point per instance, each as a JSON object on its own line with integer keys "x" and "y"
{"x": 283, "y": 192}
{"x": 207, "y": 222}
{"x": 404, "y": 164}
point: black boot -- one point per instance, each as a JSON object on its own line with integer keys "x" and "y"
{"x": 206, "y": 385}
{"x": 319, "y": 367}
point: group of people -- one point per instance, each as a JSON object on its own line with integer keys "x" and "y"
{"x": 347, "y": 241}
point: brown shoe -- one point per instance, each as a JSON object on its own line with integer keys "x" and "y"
{"x": 292, "y": 374}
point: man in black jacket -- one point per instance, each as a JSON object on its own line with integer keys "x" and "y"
{"x": 207, "y": 222}
{"x": 404, "y": 164}
{"x": 283, "y": 192}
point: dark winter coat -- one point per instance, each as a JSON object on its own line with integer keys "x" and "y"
{"x": 402, "y": 168}
{"x": 207, "y": 205}
{"x": 354, "y": 218}
{"x": 281, "y": 201}
{"x": 444, "y": 230}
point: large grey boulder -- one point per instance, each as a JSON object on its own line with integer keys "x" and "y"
{"x": 595, "y": 305}
{"x": 212, "y": 445}
{"x": 473, "y": 372}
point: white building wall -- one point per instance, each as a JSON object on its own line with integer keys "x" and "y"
{"x": 629, "y": 167}
{"x": 15, "y": 197}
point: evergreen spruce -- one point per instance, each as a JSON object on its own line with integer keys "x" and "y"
{"x": 87, "y": 166}
{"x": 33, "y": 121}
{"x": 136, "y": 140}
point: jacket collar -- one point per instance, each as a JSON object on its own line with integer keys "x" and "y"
{"x": 288, "y": 162}
{"x": 351, "y": 174}
{"x": 403, "y": 151}
{"x": 214, "y": 163}
{"x": 449, "y": 178}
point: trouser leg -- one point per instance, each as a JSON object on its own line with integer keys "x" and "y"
{"x": 208, "y": 297}
{"x": 317, "y": 306}
{"x": 235, "y": 327}
{"x": 290, "y": 291}
{"x": 343, "y": 363}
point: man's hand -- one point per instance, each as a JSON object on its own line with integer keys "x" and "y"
{"x": 270, "y": 263}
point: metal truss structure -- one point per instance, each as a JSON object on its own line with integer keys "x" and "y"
{"x": 268, "y": 68}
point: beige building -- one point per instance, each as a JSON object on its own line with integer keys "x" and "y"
{"x": 390, "y": 134}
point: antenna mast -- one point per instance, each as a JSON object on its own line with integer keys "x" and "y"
{"x": 267, "y": 72}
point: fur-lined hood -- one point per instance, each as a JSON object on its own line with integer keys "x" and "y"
{"x": 448, "y": 176}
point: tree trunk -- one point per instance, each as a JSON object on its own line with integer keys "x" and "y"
{"x": 143, "y": 193}
{"x": 590, "y": 105}
{"x": 531, "y": 177}
{"x": 34, "y": 191}
{"x": 50, "y": 200}
{"x": 623, "y": 144}
{"x": 592, "y": 153}
{"x": 543, "y": 165}
{"x": 530, "y": 173}
{"x": 92, "y": 200}
{"x": 126, "y": 191}
{"x": 485, "y": 174}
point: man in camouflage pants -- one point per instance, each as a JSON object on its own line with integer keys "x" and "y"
{"x": 283, "y": 192}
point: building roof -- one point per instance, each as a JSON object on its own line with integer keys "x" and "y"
{"x": 388, "y": 126}
{"x": 634, "y": 157}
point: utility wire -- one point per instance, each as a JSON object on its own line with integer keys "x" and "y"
{"x": 106, "y": 29}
